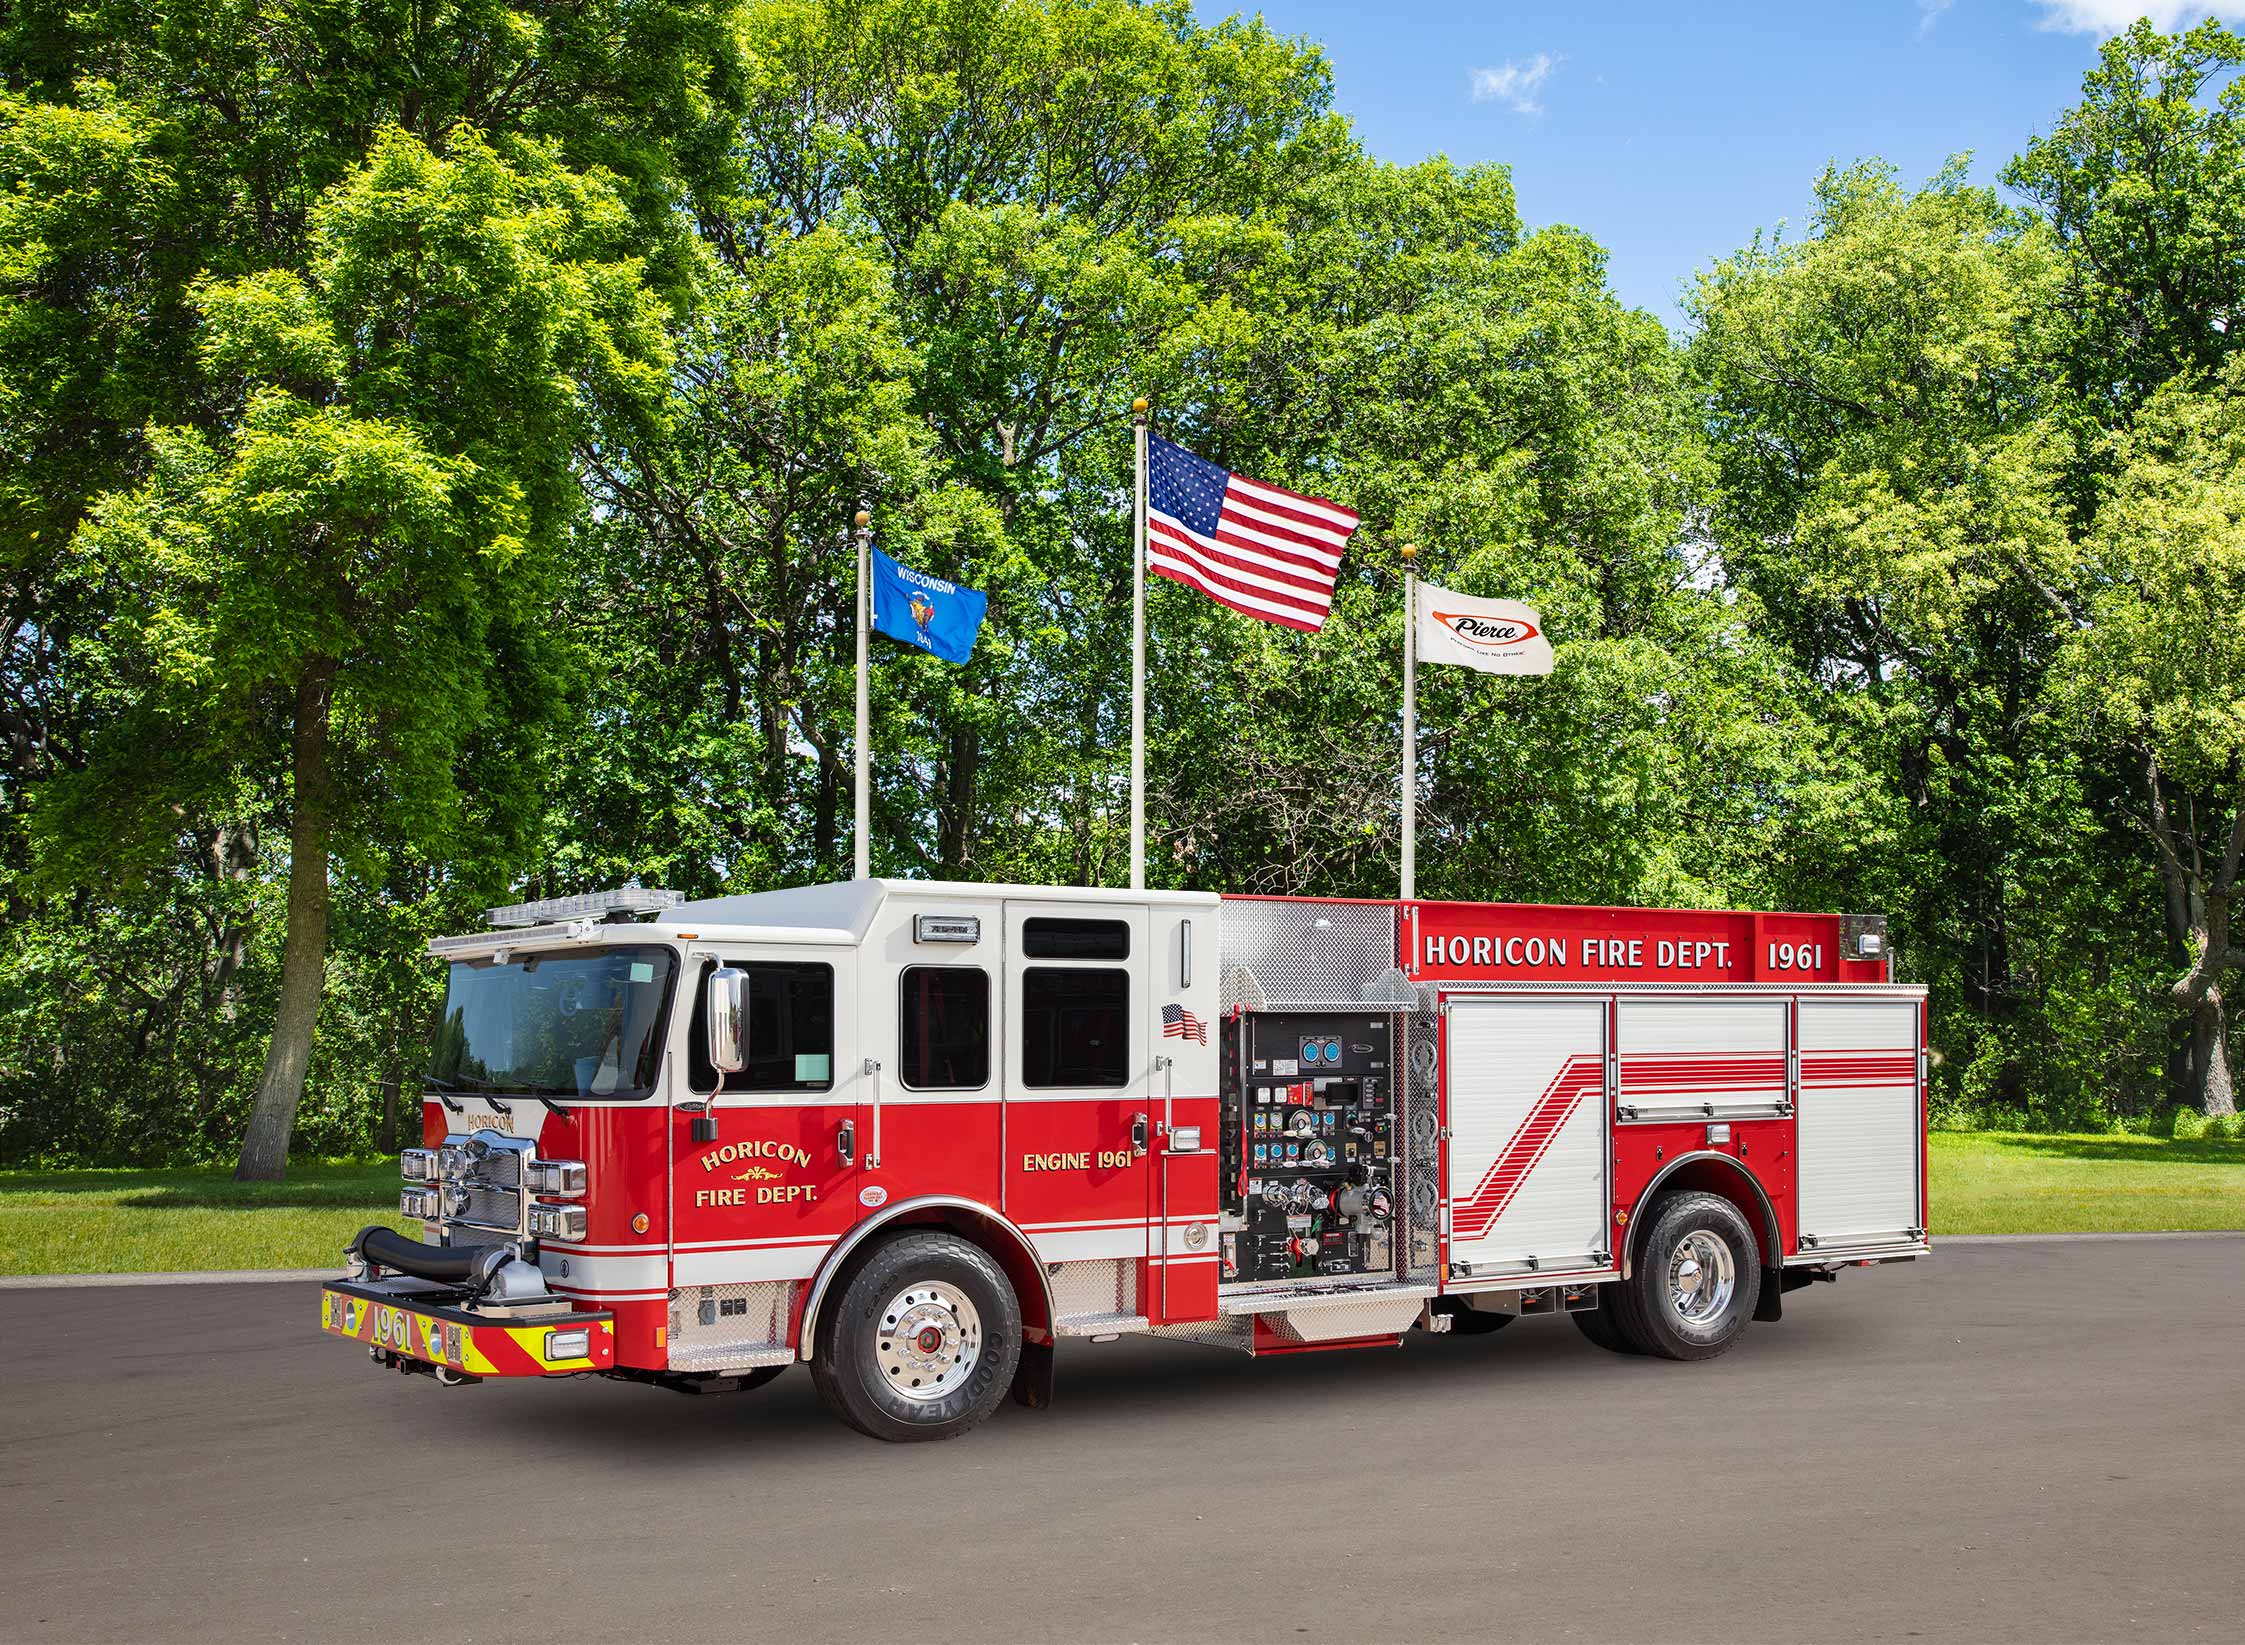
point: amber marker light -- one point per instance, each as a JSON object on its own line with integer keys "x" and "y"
{"x": 639, "y": 1223}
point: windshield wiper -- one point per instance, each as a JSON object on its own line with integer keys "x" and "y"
{"x": 429, "y": 1082}
{"x": 489, "y": 1092}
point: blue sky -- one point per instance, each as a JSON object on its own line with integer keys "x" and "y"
{"x": 1670, "y": 132}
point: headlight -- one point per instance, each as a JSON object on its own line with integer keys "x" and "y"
{"x": 419, "y": 1202}
{"x": 558, "y": 1221}
{"x": 455, "y": 1201}
{"x": 418, "y": 1165}
{"x": 563, "y": 1178}
{"x": 569, "y": 1344}
{"x": 454, "y": 1163}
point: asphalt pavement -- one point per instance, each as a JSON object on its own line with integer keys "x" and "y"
{"x": 2031, "y": 1442}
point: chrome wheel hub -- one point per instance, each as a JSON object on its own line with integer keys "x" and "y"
{"x": 1702, "y": 1278}
{"x": 928, "y": 1341}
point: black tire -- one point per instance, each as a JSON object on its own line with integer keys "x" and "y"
{"x": 1647, "y": 1313}
{"x": 1600, "y": 1326}
{"x": 1469, "y": 1321}
{"x": 865, "y": 1374}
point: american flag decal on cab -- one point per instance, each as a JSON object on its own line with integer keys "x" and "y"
{"x": 1177, "y": 1023}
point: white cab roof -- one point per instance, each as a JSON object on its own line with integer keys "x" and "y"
{"x": 843, "y": 910}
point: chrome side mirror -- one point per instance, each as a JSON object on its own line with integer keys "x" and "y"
{"x": 727, "y": 1023}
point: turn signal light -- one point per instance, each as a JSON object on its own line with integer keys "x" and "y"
{"x": 569, "y": 1344}
{"x": 419, "y": 1202}
{"x": 418, "y": 1165}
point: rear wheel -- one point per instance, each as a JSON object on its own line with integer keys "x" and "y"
{"x": 1600, "y": 1326}
{"x": 1698, "y": 1275}
{"x": 922, "y": 1342}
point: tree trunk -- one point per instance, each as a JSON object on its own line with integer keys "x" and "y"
{"x": 304, "y": 950}
{"x": 2217, "y": 1091}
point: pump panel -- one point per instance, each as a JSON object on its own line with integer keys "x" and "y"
{"x": 1310, "y": 1134}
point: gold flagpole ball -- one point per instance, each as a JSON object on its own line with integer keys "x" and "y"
{"x": 863, "y": 519}
{"x": 1138, "y": 408}
{"x": 1410, "y": 551}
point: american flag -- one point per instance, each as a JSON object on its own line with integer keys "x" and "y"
{"x": 1177, "y": 1023}
{"x": 1257, "y": 548}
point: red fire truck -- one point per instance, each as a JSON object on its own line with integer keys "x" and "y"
{"x": 917, "y": 1134}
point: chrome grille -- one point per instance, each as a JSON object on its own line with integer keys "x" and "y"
{"x": 499, "y": 1208}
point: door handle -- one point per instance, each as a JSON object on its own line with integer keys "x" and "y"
{"x": 1137, "y": 1135}
{"x": 845, "y": 1142}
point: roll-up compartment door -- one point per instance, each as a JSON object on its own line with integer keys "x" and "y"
{"x": 1524, "y": 1079}
{"x": 1698, "y": 1058}
{"x": 1860, "y": 1143}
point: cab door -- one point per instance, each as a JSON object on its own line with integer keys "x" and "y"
{"x": 1079, "y": 1112}
{"x": 778, "y": 1183}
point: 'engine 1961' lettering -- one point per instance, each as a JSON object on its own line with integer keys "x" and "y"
{"x": 1107, "y": 1159}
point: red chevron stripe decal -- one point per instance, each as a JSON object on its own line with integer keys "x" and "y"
{"x": 1472, "y": 1218}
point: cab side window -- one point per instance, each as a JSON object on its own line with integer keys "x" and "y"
{"x": 943, "y": 1028}
{"x": 790, "y": 1030}
{"x": 1075, "y": 1023}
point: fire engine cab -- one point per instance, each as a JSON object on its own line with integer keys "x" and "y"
{"x": 916, "y": 1134}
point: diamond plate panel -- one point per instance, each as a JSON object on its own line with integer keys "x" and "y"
{"x": 1372, "y": 1317}
{"x": 712, "y": 1326}
{"x": 1236, "y": 1332}
{"x": 1100, "y": 1285}
{"x": 1305, "y": 951}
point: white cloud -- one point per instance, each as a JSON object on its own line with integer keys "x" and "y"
{"x": 1929, "y": 13}
{"x": 1516, "y": 84}
{"x": 2111, "y": 16}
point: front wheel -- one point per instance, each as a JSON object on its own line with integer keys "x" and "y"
{"x": 923, "y": 1341}
{"x": 1697, "y": 1277}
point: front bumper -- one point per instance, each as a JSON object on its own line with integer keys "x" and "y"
{"x": 414, "y": 1321}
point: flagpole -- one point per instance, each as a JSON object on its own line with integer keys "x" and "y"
{"x": 1410, "y": 552}
{"x": 861, "y": 788}
{"x": 1138, "y": 657}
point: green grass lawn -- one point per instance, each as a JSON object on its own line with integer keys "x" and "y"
{"x": 1997, "y": 1182}
{"x": 84, "y": 1222}
{"x": 92, "y": 1222}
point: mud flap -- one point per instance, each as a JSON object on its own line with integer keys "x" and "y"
{"x": 1032, "y": 1379}
{"x": 1769, "y": 1307}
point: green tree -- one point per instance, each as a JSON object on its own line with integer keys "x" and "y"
{"x": 2157, "y": 669}
{"x": 2143, "y": 187}
{"x": 1893, "y": 468}
{"x": 355, "y": 567}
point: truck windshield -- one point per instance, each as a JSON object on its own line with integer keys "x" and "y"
{"x": 555, "y": 1025}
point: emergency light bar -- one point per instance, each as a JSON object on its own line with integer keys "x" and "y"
{"x": 626, "y": 900}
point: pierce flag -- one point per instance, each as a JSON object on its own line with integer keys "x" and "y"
{"x": 1495, "y": 636}
{"x": 925, "y": 611}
